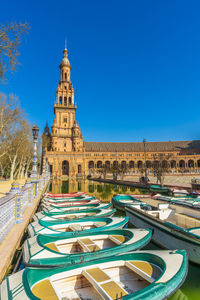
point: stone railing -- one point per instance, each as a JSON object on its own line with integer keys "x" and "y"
{"x": 17, "y": 200}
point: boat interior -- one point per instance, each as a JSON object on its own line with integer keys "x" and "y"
{"x": 77, "y": 227}
{"x": 168, "y": 214}
{"x": 115, "y": 280}
{"x": 86, "y": 244}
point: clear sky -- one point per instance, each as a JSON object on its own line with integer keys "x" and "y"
{"x": 135, "y": 65}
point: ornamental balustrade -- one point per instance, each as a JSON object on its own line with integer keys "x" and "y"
{"x": 17, "y": 200}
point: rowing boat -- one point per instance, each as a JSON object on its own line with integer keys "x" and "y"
{"x": 134, "y": 275}
{"x": 68, "y": 203}
{"x": 121, "y": 201}
{"x": 74, "y": 227}
{"x": 159, "y": 189}
{"x": 70, "y": 195}
{"x": 54, "y": 251}
{"x": 63, "y": 216}
{"x": 72, "y": 209}
{"x": 172, "y": 228}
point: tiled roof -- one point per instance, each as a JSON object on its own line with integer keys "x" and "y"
{"x": 134, "y": 147}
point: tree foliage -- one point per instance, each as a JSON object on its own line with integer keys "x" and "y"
{"x": 15, "y": 139}
{"x": 10, "y": 41}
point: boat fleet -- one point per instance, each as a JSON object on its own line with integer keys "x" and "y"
{"x": 78, "y": 249}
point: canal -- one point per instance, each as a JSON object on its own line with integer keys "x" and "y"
{"x": 191, "y": 288}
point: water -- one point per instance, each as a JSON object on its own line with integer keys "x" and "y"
{"x": 190, "y": 290}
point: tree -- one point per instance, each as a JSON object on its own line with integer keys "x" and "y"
{"x": 15, "y": 139}
{"x": 10, "y": 41}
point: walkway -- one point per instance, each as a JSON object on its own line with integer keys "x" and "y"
{"x": 5, "y": 185}
{"x": 13, "y": 238}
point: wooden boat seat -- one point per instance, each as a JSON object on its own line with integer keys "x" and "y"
{"x": 105, "y": 285}
{"x": 88, "y": 245}
{"x": 44, "y": 290}
{"x": 145, "y": 269}
{"x": 99, "y": 224}
{"x": 117, "y": 239}
{"x": 75, "y": 227}
{"x": 52, "y": 246}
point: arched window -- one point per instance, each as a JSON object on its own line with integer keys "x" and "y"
{"x": 139, "y": 164}
{"x": 91, "y": 164}
{"x": 60, "y": 100}
{"x": 65, "y": 101}
{"x": 107, "y": 165}
{"x": 70, "y": 100}
{"x": 190, "y": 163}
{"x": 182, "y": 164}
{"x": 131, "y": 164}
{"x": 65, "y": 167}
{"x": 65, "y": 76}
{"x": 99, "y": 164}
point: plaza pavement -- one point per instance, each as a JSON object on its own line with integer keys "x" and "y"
{"x": 5, "y": 185}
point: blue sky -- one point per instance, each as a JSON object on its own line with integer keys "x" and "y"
{"x": 135, "y": 65}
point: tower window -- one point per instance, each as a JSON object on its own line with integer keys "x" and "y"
{"x": 60, "y": 100}
{"x": 64, "y": 144}
{"x": 65, "y": 101}
{"x": 65, "y": 76}
{"x": 70, "y": 100}
{"x": 65, "y": 120}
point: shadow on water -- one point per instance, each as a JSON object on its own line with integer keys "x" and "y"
{"x": 190, "y": 290}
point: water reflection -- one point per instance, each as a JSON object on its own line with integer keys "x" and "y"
{"x": 101, "y": 191}
{"x": 190, "y": 290}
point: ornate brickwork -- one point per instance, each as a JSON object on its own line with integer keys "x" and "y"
{"x": 69, "y": 156}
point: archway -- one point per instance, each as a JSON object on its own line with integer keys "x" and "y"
{"x": 173, "y": 164}
{"x": 190, "y": 163}
{"x": 139, "y": 164}
{"x": 182, "y": 164}
{"x": 131, "y": 164}
{"x": 91, "y": 164}
{"x": 65, "y": 167}
{"x": 123, "y": 164}
{"x": 99, "y": 164}
{"x": 107, "y": 165}
{"x": 148, "y": 164}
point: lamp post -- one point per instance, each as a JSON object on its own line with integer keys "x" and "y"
{"x": 145, "y": 164}
{"x": 35, "y": 130}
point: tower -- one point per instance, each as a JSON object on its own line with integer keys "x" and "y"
{"x": 66, "y": 135}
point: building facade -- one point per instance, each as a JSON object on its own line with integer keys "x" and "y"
{"x": 70, "y": 157}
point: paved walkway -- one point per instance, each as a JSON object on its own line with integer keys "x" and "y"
{"x": 12, "y": 241}
{"x": 5, "y": 185}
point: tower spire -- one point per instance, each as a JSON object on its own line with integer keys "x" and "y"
{"x": 65, "y": 43}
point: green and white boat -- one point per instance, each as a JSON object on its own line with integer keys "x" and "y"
{"x": 121, "y": 201}
{"x": 89, "y": 213}
{"x": 74, "y": 227}
{"x": 54, "y": 251}
{"x": 134, "y": 275}
{"x": 74, "y": 207}
{"x": 172, "y": 228}
{"x": 53, "y": 200}
{"x": 159, "y": 189}
{"x": 62, "y": 213}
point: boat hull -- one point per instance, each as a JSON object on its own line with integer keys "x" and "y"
{"x": 165, "y": 236}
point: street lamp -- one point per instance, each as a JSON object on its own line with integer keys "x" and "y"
{"x": 145, "y": 164}
{"x": 35, "y": 131}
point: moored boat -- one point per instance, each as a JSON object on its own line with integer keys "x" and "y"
{"x": 121, "y": 201}
{"x": 159, "y": 189}
{"x": 70, "y": 195}
{"x": 178, "y": 192}
{"x": 72, "y": 209}
{"x": 134, "y": 275}
{"x": 171, "y": 228}
{"x": 78, "y": 199}
{"x": 54, "y": 251}
{"x": 63, "y": 216}
{"x": 68, "y": 203}
{"x": 71, "y": 228}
